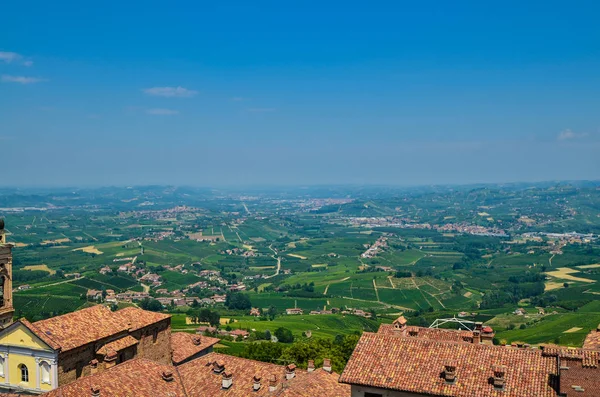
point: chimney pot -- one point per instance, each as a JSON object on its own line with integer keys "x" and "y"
{"x": 290, "y": 371}
{"x": 227, "y": 380}
{"x": 273, "y": 383}
{"x": 256, "y": 380}
{"x": 167, "y": 376}
{"x": 327, "y": 364}
{"x": 95, "y": 391}
{"x": 450, "y": 372}
{"x": 218, "y": 367}
{"x": 196, "y": 340}
{"x": 311, "y": 365}
{"x": 476, "y": 337}
{"x": 499, "y": 376}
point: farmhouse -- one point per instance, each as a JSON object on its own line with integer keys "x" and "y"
{"x": 294, "y": 310}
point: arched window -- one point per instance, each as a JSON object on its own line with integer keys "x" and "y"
{"x": 24, "y": 373}
{"x": 45, "y": 370}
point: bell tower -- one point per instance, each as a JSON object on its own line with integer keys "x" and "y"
{"x": 6, "y": 302}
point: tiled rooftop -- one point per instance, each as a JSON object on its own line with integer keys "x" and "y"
{"x": 186, "y": 345}
{"x": 428, "y": 333}
{"x": 138, "y": 318}
{"x": 117, "y": 345}
{"x": 80, "y": 327}
{"x": 138, "y": 377}
{"x": 592, "y": 340}
{"x": 92, "y": 324}
{"x": 417, "y": 365}
{"x": 200, "y": 380}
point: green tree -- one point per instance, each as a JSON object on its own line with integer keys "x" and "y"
{"x": 284, "y": 335}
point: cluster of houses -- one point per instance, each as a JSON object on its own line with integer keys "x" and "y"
{"x": 377, "y": 247}
{"x": 237, "y": 334}
{"x": 112, "y": 297}
{"x": 333, "y": 310}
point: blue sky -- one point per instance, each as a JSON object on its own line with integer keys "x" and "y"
{"x": 298, "y": 92}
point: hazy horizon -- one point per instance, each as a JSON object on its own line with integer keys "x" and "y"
{"x": 232, "y": 94}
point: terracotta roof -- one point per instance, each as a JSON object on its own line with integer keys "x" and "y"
{"x": 592, "y": 340}
{"x": 200, "y": 380}
{"x": 184, "y": 345}
{"x": 138, "y": 318}
{"x": 416, "y": 365}
{"x": 43, "y": 336}
{"x": 80, "y": 327}
{"x": 117, "y": 345}
{"x": 319, "y": 383}
{"x": 428, "y": 333}
{"x": 138, "y": 377}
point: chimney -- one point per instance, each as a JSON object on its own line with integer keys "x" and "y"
{"x": 598, "y": 328}
{"x": 273, "y": 383}
{"x": 478, "y": 326}
{"x": 499, "y": 376}
{"x": 450, "y": 372}
{"x": 256, "y": 382}
{"x": 327, "y": 364}
{"x": 167, "y": 376}
{"x": 110, "y": 360}
{"x": 487, "y": 335}
{"x": 399, "y": 324}
{"x": 311, "y": 366}
{"x": 413, "y": 331}
{"x": 476, "y": 337}
{"x": 218, "y": 367}
{"x": 196, "y": 340}
{"x": 290, "y": 371}
{"x": 227, "y": 380}
{"x": 94, "y": 366}
{"x": 95, "y": 391}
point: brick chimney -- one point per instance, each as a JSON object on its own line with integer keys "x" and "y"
{"x": 227, "y": 380}
{"x": 478, "y": 326}
{"x": 476, "y": 337}
{"x": 487, "y": 335}
{"x": 290, "y": 371}
{"x": 327, "y": 364}
{"x": 273, "y": 383}
{"x": 110, "y": 360}
{"x": 499, "y": 376}
{"x": 95, "y": 391}
{"x": 94, "y": 366}
{"x": 167, "y": 376}
{"x": 256, "y": 382}
{"x": 311, "y": 366}
{"x": 399, "y": 324}
{"x": 218, "y": 367}
{"x": 196, "y": 340}
{"x": 450, "y": 372}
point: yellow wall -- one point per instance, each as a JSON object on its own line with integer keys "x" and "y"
{"x": 21, "y": 337}
{"x": 14, "y": 372}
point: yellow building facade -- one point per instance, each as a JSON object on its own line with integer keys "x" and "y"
{"x": 26, "y": 362}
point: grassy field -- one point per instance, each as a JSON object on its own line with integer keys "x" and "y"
{"x": 320, "y": 325}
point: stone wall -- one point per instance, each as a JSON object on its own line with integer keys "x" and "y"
{"x": 155, "y": 341}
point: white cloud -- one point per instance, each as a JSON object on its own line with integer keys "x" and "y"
{"x": 9, "y": 57}
{"x": 568, "y": 134}
{"x": 162, "y": 112}
{"x": 170, "y": 92}
{"x": 20, "y": 79}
